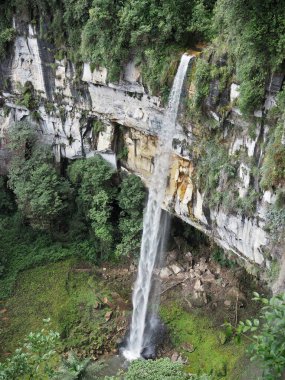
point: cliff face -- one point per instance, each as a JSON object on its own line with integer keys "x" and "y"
{"x": 81, "y": 114}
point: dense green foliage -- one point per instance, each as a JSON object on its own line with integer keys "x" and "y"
{"x": 153, "y": 32}
{"x": 131, "y": 200}
{"x": 254, "y": 33}
{"x": 95, "y": 193}
{"x": 115, "y": 30}
{"x": 114, "y": 214}
{"x": 276, "y": 218}
{"x": 110, "y": 32}
{"x": 34, "y": 359}
{"x": 6, "y": 198}
{"x": 157, "y": 370}
{"x": 87, "y": 213}
{"x": 268, "y": 342}
{"x": 22, "y": 247}
{"x": 40, "y": 193}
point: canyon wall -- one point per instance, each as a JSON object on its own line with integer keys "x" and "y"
{"x": 80, "y": 114}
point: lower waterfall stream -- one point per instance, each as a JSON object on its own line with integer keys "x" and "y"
{"x": 153, "y": 228}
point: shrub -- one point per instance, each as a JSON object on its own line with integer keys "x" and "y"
{"x": 6, "y": 35}
{"x": 202, "y": 81}
{"x": 273, "y": 168}
{"x": 34, "y": 359}
{"x": 268, "y": 342}
{"x": 157, "y": 370}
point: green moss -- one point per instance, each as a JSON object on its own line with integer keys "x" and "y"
{"x": 212, "y": 354}
{"x": 72, "y": 298}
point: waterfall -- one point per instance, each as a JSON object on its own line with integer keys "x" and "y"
{"x": 153, "y": 234}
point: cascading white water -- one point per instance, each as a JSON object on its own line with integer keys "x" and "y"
{"x": 152, "y": 234}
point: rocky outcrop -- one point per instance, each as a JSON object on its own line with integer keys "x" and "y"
{"x": 67, "y": 103}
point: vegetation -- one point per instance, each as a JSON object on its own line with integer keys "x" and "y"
{"x": 86, "y": 214}
{"x": 109, "y": 33}
{"x": 273, "y": 169}
{"x": 41, "y": 194}
{"x": 240, "y": 24}
{"x": 131, "y": 202}
{"x": 32, "y": 360}
{"x": 71, "y": 297}
{"x": 157, "y": 370}
{"x": 7, "y": 33}
{"x": 94, "y": 196}
{"x": 267, "y": 343}
{"x": 93, "y": 213}
{"x": 209, "y": 353}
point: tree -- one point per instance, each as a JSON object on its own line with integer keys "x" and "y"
{"x": 89, "y": 176}
{"x": 99, "y": 215}
{"x": 95, "y": 194}
{"x": 131, "y": 201}
{"x": 41, "y": 195}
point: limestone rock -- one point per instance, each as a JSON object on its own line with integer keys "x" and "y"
{"x": 174, "y": 357}
{"x": 189, "y": 257}
{"x": 108, "y": 316}
{"x": 165, "y": 273}
{"x": 181, "y": 360}
{"x": 176, "y": 268}
{"x": 198, "y": 286}
{"x": 209, "y": 277}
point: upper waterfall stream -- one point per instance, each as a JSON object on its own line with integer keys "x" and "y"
{"x": 153, "y": 232}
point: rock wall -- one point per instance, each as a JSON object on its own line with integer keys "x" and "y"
{"x": 69, "y": 101}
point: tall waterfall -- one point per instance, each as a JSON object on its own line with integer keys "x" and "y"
{"x": 152, "y": 238}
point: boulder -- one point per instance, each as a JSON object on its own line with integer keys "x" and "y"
{"x": 209, "y": 277}
{"x": 227, "y": 303}
{"x": 181, "y": 360}
{"x": 174, "y": 357}
{"x": 133, "y": 267}
{"x": 165, "y": 273}
{"x": 176, "y": 268}
{"x": 189, "y": 257}
{"x": 202, "y": 265}
{"x": 198, "y": 286}
{"x": 108, "y": 315}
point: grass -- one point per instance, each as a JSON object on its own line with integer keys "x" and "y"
{"x": 212, "y": 354}
{"x": 70, "y": 297}
{"x": 22, "y": 248}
